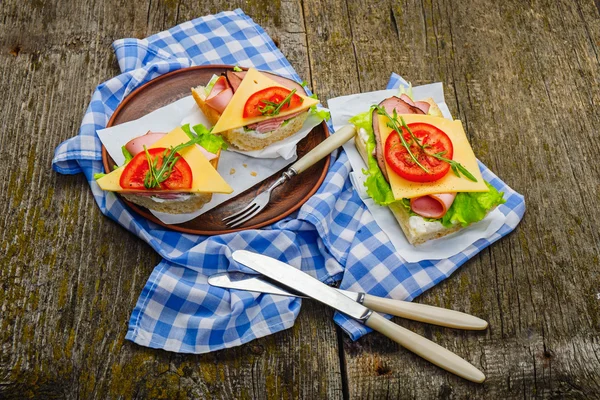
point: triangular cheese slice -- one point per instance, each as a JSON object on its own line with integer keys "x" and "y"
{"x": 463, "y": 153}
{"x": 205, "y": 178}
{"x": 232, "y": 116}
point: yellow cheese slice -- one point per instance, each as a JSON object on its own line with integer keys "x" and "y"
{"x": 205, "y": 178}
{"x": 254, "y": 81}
{"x": 463, "y": 154}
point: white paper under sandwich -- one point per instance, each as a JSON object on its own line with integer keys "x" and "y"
{"x": 232, "y": 116}
{"x": 205, "y": 178}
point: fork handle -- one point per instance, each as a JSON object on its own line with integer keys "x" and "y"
{"x": 324, "y": 148}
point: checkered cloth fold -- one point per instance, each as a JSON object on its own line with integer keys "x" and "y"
{"x": 332, "y": 237}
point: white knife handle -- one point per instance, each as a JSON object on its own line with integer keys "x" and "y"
{"x": 324, "y": 148}
{"x": 425, "y": 348}
{"x": 424, "y": 313}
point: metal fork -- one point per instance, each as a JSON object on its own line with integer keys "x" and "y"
{"x": 315, "y": 155}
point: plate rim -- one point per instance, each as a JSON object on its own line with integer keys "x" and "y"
{"x": 142, "y": 211}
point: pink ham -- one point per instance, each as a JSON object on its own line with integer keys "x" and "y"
{"x": 273, "y": 123}
{"x": 220, "y": 95}
{"x": 433, "y": 205}
{"x": 136, "y": 145}
{"x": 421, "y": 105}
{"x": 235, "y": 79}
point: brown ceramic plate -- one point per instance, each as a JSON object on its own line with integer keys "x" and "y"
{"x": 284, "y": 200}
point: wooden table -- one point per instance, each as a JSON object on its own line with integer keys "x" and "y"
{"x": 522, "y": 76}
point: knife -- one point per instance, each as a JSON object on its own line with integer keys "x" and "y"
{"x": 299, "y": 281}
{"x": 415, "y": 311}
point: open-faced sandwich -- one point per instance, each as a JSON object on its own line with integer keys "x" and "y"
{"x": 422, "y": 167}
{"x": 171, "y": 172}
{"x": 253, "y": 109}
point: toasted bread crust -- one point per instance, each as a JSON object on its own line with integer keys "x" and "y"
{"x": 194, "y": 203}
{"x": 252, "y": 140}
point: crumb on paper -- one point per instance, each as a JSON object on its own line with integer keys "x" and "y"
{"x": 232, "y": 171}
{"x": 253, "y": 173}
{"x": 245, "y": 165}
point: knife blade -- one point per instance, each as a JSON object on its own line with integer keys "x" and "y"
{"x": 298, "y": 281}
{"x": 415, "y": 311}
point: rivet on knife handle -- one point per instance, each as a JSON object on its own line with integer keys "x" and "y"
{"x": 425, "y": 313}
{"x": 324, "y": 148}
{"x": 425, "y": 348}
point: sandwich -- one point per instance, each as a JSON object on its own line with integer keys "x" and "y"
{"x": 171, "y": 172}
{"x": 253, "y": 109}
{"x": 422, "y": 167}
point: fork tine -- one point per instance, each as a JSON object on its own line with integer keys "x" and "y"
{"x": 242, "y": 217}
{"x": 239, "y": 213}
{"x": 241, "y": 220}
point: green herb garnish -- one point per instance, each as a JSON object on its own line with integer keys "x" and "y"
{"x": 158, "y": 174}
{"x": 456, "y": 167}
{"x": 271, "y": 108}
{"x": 126, "y": 154}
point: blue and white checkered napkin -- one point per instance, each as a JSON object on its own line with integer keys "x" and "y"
{"x": 332, "y": 237}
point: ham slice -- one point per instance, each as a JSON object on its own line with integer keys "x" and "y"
{"x": 433, "y": 205}
{"x": 390, "y": 104}
{"x": 273, "y": 123}
{"x": 220, "y": 95}
{"x": 421, "y": 105}
{"x": 136, "y": 145}
{"x": 235, "y": 79}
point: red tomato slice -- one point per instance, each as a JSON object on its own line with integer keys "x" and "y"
{"x": 401, "y": 162}
{"x": 135, "y": 172}
{"x": 272, "y": 94}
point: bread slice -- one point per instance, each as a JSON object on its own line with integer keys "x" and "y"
{"x": 416, "y": 229}
{"x": 248, "y": 140}
{"x": 191, "y": 202}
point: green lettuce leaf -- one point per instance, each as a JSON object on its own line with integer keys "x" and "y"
{"x": 126, "y": 154}
{"x": 468, "y": 208}
{"x": 322, "y": 114}
{"x": 210, "y": 84}
{"x": 377, "y": 187}
{"x": 98, "y": 175}
{"x": 409, "y": 92}
{"x": 212, "y": 143}
{"x": 237, "y": 69}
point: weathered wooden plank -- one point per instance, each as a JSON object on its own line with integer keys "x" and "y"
{"x": 70, "y": 277}
{"x": 523, "y": 78}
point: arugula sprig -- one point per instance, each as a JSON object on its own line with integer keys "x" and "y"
{"x": 456, "y": 167}
{"x": 393, "y": 123}
{"x": 158, "y": 174}
{"x": 271, "y": 108}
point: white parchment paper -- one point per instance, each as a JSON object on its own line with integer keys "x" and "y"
{"x": 241, "y": 170}
{"x": 345, "y": 107}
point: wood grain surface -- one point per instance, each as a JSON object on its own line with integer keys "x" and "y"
{"x": 524, "y": 77}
